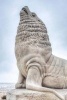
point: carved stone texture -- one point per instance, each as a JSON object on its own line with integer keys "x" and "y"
{"x": 38, "y": 68}
{"x": 22, "y": 94}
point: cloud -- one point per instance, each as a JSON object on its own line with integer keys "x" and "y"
{"x": 9, "y": 77}
{"x": 8, "y": 72}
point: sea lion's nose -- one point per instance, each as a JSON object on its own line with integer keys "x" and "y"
{"x": 26, "y": 9}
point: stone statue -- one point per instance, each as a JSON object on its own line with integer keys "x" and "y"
{"x": 38, "y": 68}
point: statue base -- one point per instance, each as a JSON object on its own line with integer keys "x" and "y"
{"x": 23, "y": 94}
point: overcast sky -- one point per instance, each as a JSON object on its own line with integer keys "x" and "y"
{"x": 54, "y": 15}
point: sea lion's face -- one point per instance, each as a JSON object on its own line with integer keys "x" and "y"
{"x": 32, "y": 35}
{"x": 26, "y": 12}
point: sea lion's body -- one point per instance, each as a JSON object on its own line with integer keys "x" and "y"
{"x": 34, "y": 56}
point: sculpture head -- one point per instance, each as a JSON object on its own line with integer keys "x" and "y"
{"x": 26, "y": 12}
{"x": 32, "y": 33}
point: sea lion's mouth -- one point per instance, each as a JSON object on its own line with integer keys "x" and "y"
{"x": 26, "y": 10}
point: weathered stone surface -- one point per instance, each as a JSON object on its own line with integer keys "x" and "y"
{"x": 38, "y": 68}
{"x": 23, "y": 94}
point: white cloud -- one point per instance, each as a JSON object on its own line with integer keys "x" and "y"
{"x": 10, "y": 74}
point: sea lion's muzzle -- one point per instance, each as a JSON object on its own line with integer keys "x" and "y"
{"x": 26, "y": 10}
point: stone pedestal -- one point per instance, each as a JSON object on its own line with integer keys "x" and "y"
{"x": 23, "y": 94}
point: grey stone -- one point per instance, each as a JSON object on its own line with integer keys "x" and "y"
{"x": 23, "y": 94}
{"x": 38, "y": 68}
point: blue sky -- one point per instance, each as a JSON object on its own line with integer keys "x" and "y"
{"x": 54, "y": 15}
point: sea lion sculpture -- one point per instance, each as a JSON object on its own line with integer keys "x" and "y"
{"x": 38, "y": 68}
